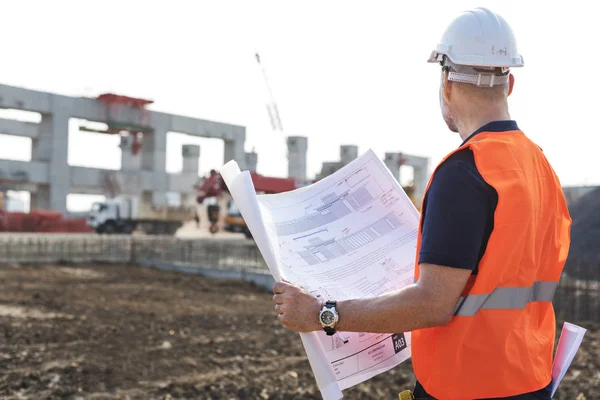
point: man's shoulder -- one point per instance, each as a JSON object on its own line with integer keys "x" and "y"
{"x": 459, "y": 165}
{"x": 462, "y": 156}
{"x": 459, "y": 172}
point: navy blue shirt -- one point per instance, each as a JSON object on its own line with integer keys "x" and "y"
{"x": 458, "y": 218}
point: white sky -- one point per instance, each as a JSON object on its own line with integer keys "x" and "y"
{"x": 343, "y": 72}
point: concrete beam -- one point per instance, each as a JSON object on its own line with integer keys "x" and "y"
{"x": 23, "y": 172}
{"x": 82, "y": 177}
{"x": 182, "y": 183}
{"x": 415, "y": 161}
{"x": 27, "y": 175}
{"x": 91, "y": 180}
{"x": 95, "y": 178}
{"x": 203, "y": 128}
{"x": 93, "y": 110}
{"x": 24, "y": 99}
{"x": 18, "y": 128}
{"x": 88, "y": 190}
{"x": 21, "y": 186}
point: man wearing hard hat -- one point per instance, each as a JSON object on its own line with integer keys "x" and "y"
{"x": 493, "y": 240}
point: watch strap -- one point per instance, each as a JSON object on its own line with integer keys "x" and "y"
{"x": 330, "y": 304}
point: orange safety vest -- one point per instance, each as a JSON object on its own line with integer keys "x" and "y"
{"x": 500, "y": 341}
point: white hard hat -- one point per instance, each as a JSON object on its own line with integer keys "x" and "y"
{"x": 482, "y": 40}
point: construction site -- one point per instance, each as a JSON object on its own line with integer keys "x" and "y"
{"x": 136, "y": 195}
{"x": 125, "y": 300}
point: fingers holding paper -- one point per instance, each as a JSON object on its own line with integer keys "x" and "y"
{"x": 296, "y": 309}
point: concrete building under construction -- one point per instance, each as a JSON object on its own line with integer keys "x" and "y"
{"x": 49, "y": 178}
{"x": 143, "y": 137}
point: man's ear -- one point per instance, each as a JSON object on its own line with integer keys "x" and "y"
{"x": 447, "y": 88}
{"x": 511, "y": 84}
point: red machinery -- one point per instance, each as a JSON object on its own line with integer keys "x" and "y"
{"x": 136, "y": 128}
{"x": 213, "y": 186}
{"x": 41, "y": 221}
{"x": 270, "y": 185}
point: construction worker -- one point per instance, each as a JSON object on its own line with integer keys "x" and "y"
{"x": 493, "y": 238}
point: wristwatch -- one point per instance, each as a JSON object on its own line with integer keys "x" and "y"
{"x": 329, "y": 317}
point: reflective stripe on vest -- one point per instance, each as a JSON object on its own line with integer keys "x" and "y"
{"x": 505, "y": 298}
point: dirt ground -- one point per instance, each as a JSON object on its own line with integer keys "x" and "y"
{"x": 122, "y": 332}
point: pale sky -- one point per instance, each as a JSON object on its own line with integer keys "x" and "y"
{"x": 343, "y": 72}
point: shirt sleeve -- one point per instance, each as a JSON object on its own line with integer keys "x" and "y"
{"x": 458, "y": 214}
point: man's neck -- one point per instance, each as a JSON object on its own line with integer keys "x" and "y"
{"x": 471, "y": 123}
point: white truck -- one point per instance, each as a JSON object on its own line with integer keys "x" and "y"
{"x": 124, "y": 214}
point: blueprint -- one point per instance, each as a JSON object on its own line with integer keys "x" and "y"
{"x": 350, "y": 235}
{"x": 569, "y": 341}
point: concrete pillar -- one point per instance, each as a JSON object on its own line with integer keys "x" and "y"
{"x": 191, "y": 159}
{"x": 234, "y": 147}
{"x": 420, "y": 173}
{"x": 234, "y": 150}
{"x": 154, "y": 151}
{"x": 146, "y": 196}
{"x": 129, "y": 161}
{"x": 251, "y": 161}
{"x": 391, "y": 162}
{"x": 52, "y": 147}
{"x": 40, "y": 199}
{"x": 329, "y": 168}
{"x": 297, "y": 150}
{"x": 348, "y": 154}
{"x": 130, "y": 179}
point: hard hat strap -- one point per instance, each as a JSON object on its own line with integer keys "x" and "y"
{"x": 480, "y": 76}
{"x": 479, "y": 79}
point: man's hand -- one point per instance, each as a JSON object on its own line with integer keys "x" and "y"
{"x": 296, "y": 309}
{"x": 428, "y": 303}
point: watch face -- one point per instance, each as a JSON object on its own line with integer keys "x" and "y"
{"x": 327, "y": 317}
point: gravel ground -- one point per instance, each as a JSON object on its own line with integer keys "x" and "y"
{"x": 122, "y": 332}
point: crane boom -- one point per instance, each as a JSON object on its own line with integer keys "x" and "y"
{"x": 272, "y": 104}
